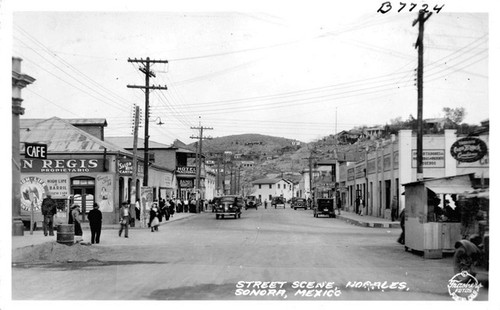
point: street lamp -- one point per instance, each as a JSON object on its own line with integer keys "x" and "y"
{"x": 160, "y": 122}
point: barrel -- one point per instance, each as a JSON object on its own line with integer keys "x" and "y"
{"x": 66, "y": 233}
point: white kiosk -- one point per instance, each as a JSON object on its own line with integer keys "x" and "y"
{"x": 427, "y": 229}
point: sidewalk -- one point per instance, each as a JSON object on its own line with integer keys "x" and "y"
{"x": 367, "y": 220}
{"x": 38, "y": 237}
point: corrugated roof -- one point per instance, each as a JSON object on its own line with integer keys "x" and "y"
{"x": 87, "y": 121}
{"x": 128, "y": 143}
{"x": 62, "y": 137}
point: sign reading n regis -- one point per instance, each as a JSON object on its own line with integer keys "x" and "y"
{"x": 62, "y": 165}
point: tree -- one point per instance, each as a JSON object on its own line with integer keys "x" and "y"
{"x": 455, "y": 115}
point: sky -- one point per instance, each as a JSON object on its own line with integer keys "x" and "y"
{"x": 299, "y": 72}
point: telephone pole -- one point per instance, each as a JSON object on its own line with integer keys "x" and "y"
{"x": 198, "y": 160}
{"x": 146, "y": 69}
{"x": 422, "y": 18}
{"x": 133, "y": 198}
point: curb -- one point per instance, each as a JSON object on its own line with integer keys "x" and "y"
{"x": 367, "y": 224}
{"x": 117, "y": 226}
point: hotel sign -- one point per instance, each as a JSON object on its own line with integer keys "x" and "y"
{"x": 185, "y": 170}
{"x": 62, "y": 165}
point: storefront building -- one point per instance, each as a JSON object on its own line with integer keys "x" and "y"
{"x": 379, "y": 177}
{"x": 79, "y": 168}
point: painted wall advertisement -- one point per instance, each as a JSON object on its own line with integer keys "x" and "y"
{"x": 431, "y": 159}
{"x": 104, "y": 192}
{"x": 35, "y": 188}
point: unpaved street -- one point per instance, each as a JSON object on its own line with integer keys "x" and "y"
{"x": 266, "y": 255}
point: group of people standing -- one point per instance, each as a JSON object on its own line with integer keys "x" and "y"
{"x": 164, "y": 208}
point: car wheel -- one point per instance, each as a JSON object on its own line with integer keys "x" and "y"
{"x": 462, "y": 261}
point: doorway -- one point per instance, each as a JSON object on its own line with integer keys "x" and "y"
{"x": 83, "y": 192}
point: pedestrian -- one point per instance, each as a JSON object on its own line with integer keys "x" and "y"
{"x": 394, "y": 208}
{"x": 361, "y": 206}
{"x": 124, "y": 219}
{"x": 138, "y": 209}
{"x": 171, "y": 207}
{"x": 49, "y": 209}
{"x": 161, "y": 208}
{"x": 153, "y": 218}
{"x": 95, "y": 221}
{"x": 74, "y": 218}
{"x": 265, "y": 204}
{"x": 401, "y": 238}
{"x": 165, "y": 209}
{"x": 178, "y": 205}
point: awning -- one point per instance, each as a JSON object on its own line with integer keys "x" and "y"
{"x": 449, "y": 188}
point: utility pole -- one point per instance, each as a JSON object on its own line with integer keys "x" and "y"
{"x": 422, "y": 18}
{"x": 198, "y": 160}
{"x": 146, "y": 69}
{"x": 224, "y": 177}
{"x": 310, "y": 158}
{"x": 218, "y": 176}
{"x": 137, "y": 112}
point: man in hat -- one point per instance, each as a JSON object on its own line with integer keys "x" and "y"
{"x": 95, "y": 221}
{"x": 48, "y": 211}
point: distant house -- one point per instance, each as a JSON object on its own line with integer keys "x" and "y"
{"x": 349, "y": 137}
{"x": 436, "y": 124}
{"x": 267, "y": 188}
{"x": 374, "y": 132}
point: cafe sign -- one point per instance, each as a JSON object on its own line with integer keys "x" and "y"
{"x": 35, "y": 150}
{"x": 468, "y": 149}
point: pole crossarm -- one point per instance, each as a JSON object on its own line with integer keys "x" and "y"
{"x": 148, "y": 87}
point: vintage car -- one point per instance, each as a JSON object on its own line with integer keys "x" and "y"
{"x": 299, "y": 203}
{"x": 251, "y": 202}
{"x": 229, "y": 205}
{"x": 324, "y": 206}
{"x": 278, "y": 201}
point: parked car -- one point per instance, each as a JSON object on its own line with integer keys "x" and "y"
{"x": 324, "y": 206}
{"x": 229, "y": 205}
{"x": 251, "y": 202}
{"x": 299, "y": 203}
{"x": 278, "y": 201}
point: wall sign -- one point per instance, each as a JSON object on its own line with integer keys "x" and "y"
{"x": 33, "y": 191}
{"x": 35, "y": 150}
{"x": 186, "y": 183}
{"x": 62, "y": 165}
{"x": 185, "y": 170}
{"x": 431, "y": 159}
{"x": 125, "y": 167}
{"x": 468, "y": 150}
